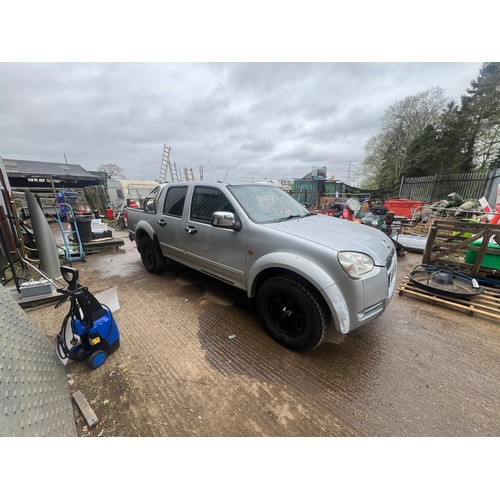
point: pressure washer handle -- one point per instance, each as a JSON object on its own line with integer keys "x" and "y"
{"x": 71, "y": 275}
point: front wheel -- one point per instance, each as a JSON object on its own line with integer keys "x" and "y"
{"x": 151, "y": 257}
{"x": 291, "y": 314}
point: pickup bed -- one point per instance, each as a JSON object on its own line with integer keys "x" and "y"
{"x": 301, "y": 271}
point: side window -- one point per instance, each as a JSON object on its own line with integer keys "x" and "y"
{"x": 149, "y": 204}
{"x": 174, "y": 201}
{"x": 206, "y": 201}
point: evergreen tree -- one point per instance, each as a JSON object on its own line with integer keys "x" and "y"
{"x": 479, "y": 118}
{"x": 424, "y": 155}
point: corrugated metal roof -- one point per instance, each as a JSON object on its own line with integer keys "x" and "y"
{"x": 25, "y": 168}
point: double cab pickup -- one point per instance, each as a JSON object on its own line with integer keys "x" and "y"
{"x": 302, "y": 272}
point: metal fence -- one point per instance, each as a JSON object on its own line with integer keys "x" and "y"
{"x": 469, "y": 185}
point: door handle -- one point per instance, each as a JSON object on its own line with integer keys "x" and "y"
{"x": 190, "y": 230}
{"x": 162, "y": 222}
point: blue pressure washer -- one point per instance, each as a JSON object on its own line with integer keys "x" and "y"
{"x": 95, "y": 332}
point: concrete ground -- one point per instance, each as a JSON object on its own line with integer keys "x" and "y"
{"x": 194, "y": 361}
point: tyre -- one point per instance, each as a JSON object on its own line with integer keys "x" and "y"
{"x": 96, "y": 359}
{"x": 151, "y": 257}
{"x": 291, "y": 314}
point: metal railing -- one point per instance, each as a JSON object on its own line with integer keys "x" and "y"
{"x": 469, "y": 185}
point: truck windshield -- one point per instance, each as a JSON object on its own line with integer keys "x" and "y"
{"x": 264, "y": 203}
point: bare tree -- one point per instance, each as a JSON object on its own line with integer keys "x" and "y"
{"x": 387, "y": 152}
{"x": 112, "y": 171}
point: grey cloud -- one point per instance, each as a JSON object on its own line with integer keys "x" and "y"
{"x": 231, "y": 122}
{"x": 260, "y": 145}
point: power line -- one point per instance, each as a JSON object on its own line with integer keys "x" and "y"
{"x": 348, "y": 175}
{"x": 215, "y": 173}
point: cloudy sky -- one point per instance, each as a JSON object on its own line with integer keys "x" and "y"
{"x": 246, "y": 117}
{"x": 274, "y": 120}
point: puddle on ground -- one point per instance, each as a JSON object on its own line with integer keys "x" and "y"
{"x": 114, "y": 262}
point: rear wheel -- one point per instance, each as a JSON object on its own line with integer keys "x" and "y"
{"x": 151, "y": 257}
{"x": 291, "y": 313}
{"x": 96, "y": 359}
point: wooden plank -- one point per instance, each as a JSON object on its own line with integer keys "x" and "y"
{"x": 430, "y": 243}
{"x": 85, "y": 408}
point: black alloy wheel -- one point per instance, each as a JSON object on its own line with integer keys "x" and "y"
{"x": 151, "y": 257}
{"x": 291, "y": 313}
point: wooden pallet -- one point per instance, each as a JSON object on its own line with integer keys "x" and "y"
{"x": 95, "y": 246}
{"x": 419, "y": 228}
{"x": 486, "y": 304}
{"x": 449, "y": 241}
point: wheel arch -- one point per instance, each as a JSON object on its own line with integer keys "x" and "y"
{"x": 146, "y": 230}
{"x": 151, "y": 255}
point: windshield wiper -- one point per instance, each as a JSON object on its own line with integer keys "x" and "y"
{"x": 288, "y": 217}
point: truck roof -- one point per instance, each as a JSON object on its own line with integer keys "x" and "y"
{"x": 218, "y": 183}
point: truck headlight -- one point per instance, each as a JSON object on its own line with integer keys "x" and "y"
{"x": 355, "y": 264}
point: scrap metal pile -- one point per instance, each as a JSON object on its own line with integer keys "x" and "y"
{"x": 454, "y": 206}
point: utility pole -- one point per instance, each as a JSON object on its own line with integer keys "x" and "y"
{"x": 348, "y": 176}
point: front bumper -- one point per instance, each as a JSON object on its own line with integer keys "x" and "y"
{"x": 353, "y": 303}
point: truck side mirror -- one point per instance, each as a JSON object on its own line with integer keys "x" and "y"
{"x": 226, "y": 220}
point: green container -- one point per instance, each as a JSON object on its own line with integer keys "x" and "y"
{"x": 492, "y": 261}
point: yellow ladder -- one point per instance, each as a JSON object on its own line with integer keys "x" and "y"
{"x": 188, "y": 174}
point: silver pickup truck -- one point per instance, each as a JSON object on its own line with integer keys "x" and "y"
{"x": 301, "y": 271}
